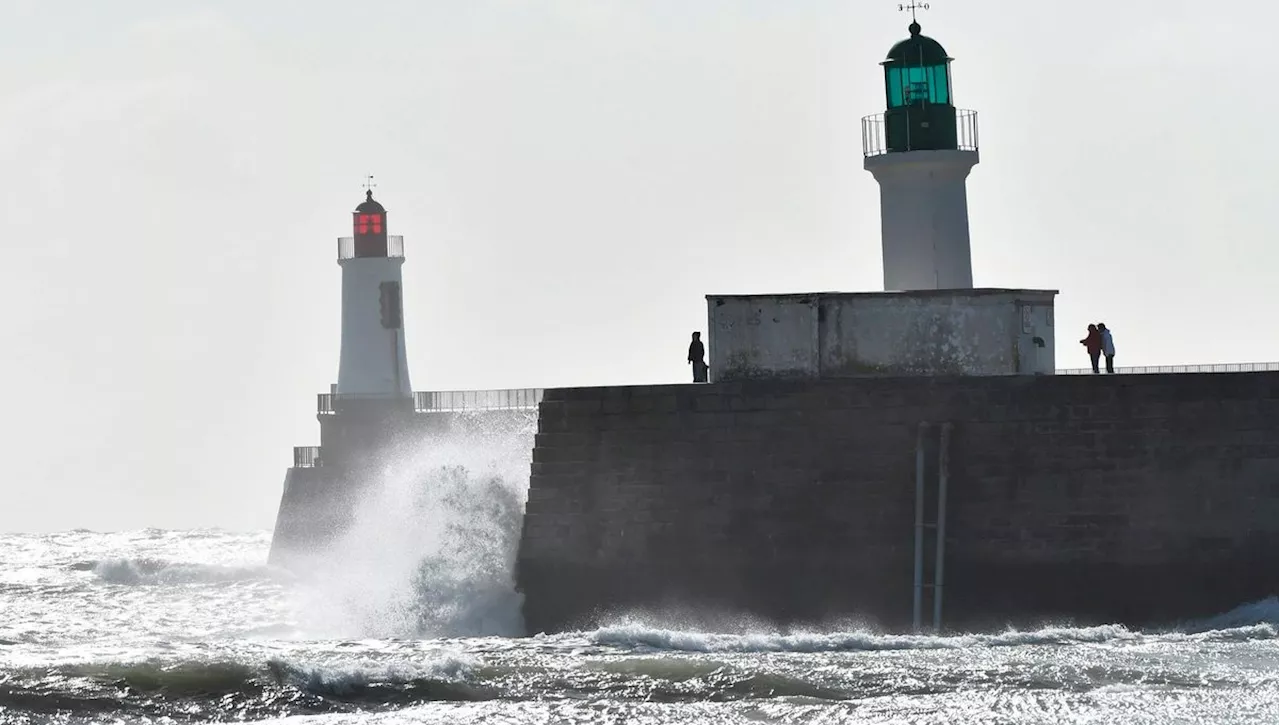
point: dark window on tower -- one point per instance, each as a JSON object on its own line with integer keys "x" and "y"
{"x": 389, "y": 299}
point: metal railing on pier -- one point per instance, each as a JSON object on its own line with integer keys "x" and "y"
{"x": 347, "y": 246}
{"x": 439, "y": 401}
{"x": 436, "y": 401}
{"x": 306, "y": 456}
{"x": 453, "y": 400}
{"x": 1254, "y": 367}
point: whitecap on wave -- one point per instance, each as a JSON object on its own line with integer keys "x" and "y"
{"x": 161, "y": 572}
{"x": 635, "y": 635}
{"x": 1263, "y": 612}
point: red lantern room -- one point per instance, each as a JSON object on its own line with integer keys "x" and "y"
{"x": 369, "y": 226}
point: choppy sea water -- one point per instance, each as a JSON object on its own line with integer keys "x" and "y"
{"x": 192, "y": 626}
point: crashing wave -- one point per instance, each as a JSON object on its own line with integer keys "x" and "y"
{"x": 432, "y": 548}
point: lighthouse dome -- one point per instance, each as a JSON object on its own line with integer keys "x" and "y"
{"x": 369, "y": 206}
{"x": 918, "y": 50}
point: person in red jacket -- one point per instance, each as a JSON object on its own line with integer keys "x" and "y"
{"x": 1093, "y": 343}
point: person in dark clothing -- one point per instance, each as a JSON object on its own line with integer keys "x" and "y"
{"x": 1093, "y": 344}
{"x": 696, "y": 354}
{"x": 1108, "y": 348}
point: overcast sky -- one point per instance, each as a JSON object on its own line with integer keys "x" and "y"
{"x": 571, "y": 177}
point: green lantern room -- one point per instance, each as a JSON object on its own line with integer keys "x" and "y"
{"x": 920, "y": 113}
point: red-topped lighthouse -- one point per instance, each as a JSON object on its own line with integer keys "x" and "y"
{"x": 373, "y": 362}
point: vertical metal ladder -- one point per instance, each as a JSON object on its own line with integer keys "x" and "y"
{"x": 931, "y": 520}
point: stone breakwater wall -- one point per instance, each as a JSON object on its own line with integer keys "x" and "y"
{"x": 1140, "y": 499}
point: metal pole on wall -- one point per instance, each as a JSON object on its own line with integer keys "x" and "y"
{"x": 918, "y": 589}
{"x": 944, "y": 446}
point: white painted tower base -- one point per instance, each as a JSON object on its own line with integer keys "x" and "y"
{"x": 924, "y": 218}
{"x": 373, "y": 361}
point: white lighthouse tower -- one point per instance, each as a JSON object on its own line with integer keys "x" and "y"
{"x": 373, "y": 362}
{"x": 921, "y": 150}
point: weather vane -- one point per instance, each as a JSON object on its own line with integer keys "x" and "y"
{"x": 913, "y": 6}
{"x": 368, "y": 183}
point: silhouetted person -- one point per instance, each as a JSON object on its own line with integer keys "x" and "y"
{"x": 1108, "y": 347}
{"x": 1093, "y": 343}
{"x": 696, "y": 354}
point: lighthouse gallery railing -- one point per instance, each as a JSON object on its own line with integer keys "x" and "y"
{"x": 347, "y": 246}
{"x": 875, "y": 141}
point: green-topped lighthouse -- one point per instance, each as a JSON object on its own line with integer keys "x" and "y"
{"x": 917, "y": 83}
{"x": 921, "y": 150}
